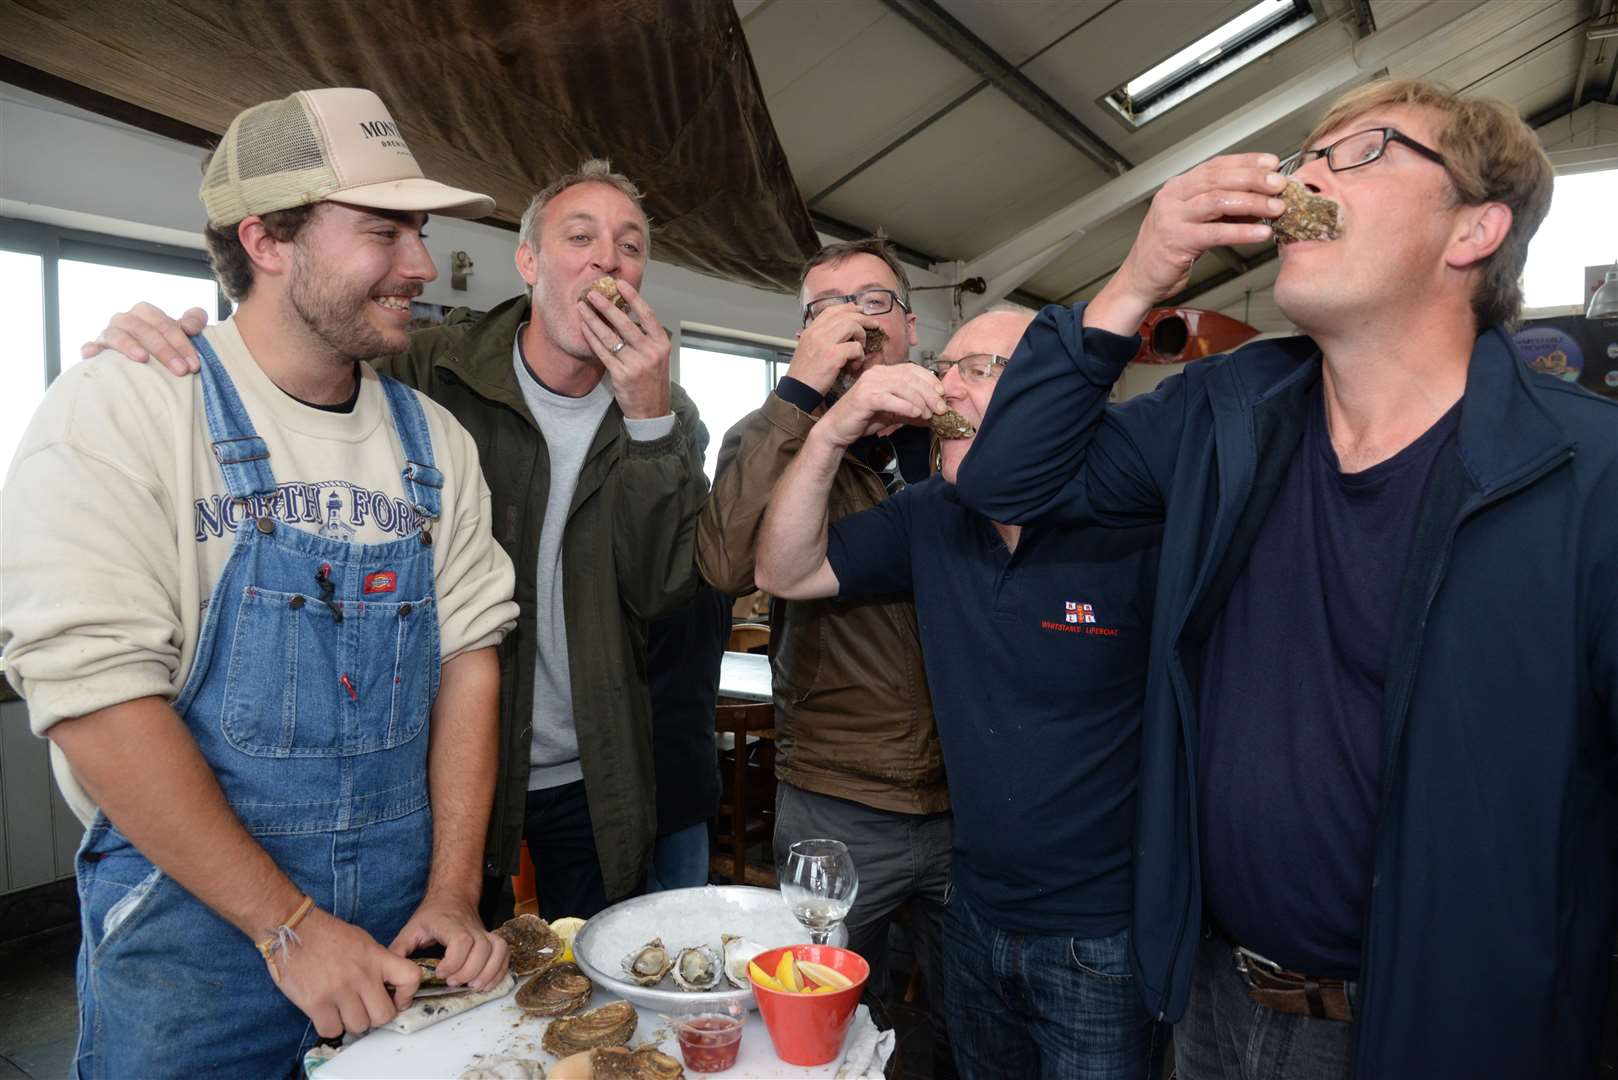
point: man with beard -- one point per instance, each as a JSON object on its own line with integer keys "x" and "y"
{"x": 1042, "y": 779}
{"x": 856, "y": 753}
{"x": 1378, "y": 798}
{"x": 256, "y": 614}
{"x": 591, "y": 457}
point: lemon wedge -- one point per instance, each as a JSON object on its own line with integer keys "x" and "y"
{"x": 762, "y": 977}
{"x": 786, "y": 973}
{"x": 567, "y": 929}
{"x": 827, "y": 977}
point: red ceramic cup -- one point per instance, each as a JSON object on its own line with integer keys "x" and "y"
{"x": 808, "y": 1029}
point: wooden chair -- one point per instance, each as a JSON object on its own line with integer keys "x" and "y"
{"x": 746, "y": 637}
{"x": 747, "y": 808}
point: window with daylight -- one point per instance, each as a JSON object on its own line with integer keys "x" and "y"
{"x": 727, "y": 379}
{"x": 1255, "y": 32}
{"x": 61, "y": 286}
{"x": 1572, "y": 237}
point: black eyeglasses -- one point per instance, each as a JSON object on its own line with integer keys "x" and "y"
{"x": 870, "y": 302}
{"x": 978, "y": 367}
{"x": 1360, "y": 148}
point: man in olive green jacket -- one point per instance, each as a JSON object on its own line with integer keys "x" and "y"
{"x": 594, "y": 566}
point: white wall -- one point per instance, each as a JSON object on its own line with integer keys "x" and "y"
{"x": 66, "y": 166}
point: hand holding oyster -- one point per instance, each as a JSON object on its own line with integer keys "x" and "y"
{"x": 952, "y": 425}
{"x": 1307, "y": 216}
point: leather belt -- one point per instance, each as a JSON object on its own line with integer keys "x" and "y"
{"x": 1274, "y": 987}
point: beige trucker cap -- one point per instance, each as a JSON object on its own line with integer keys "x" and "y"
{"x": 337, "y": 144}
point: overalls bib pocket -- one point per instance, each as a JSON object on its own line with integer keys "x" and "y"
{"x": 300, "y": 679}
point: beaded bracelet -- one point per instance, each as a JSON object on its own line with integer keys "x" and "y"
{"x": 283, "y": 937}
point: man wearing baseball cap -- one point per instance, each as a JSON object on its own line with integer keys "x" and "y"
{"x": 255, "y": 614}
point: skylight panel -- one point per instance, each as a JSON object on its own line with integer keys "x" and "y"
{"x": 1251, "y": 34}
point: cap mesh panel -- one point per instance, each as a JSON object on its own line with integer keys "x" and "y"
{"x": 276, "y": 138}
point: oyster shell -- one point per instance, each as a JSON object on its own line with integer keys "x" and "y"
{"x": 644, "y": 1063}
{"x": 876, "y": 339}
{"x": 505, "y": 1068}
{"x": 608, "y": 288}
{"x": 697, "y": 969}
{"x": 429, "y": 971}
{"x": 952, "y": 425}
{"x": 648, "y": 964}
{"x": 534, "y": 945}
{"x": 738, "y": 951}
{"x": 610, "y": 1025}
{"x": 1307, "y": 216}
{"x": 556, "y": 991}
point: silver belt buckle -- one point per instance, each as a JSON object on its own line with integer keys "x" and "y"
{"x": 1246, "y": 960}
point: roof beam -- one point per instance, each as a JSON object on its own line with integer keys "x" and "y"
{"x": 1014, "y": 261}
{"x": 947, "y": 32}
{"x": 843, "y": 230}
{"x": 1598, "y": 8}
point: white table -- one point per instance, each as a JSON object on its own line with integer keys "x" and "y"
{"x": 745, "y": 676}
{"x": 499, "y": 1028}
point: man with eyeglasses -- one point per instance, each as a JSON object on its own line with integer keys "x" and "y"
{"x": 1378, "y": 803}
{"x": 1035, "y": 641}
{"x": 857, "y": 757}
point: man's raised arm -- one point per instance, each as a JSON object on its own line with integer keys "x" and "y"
{"x": 1049, "y": 447}
{"x": 792, "y": 560}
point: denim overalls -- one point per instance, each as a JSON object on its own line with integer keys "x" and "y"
{"x": 314, "y": 676}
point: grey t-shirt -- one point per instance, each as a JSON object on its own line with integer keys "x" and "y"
{"x": 569, "y": 425}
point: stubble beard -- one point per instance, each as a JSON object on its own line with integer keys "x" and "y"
{"x": 335, "y": 316}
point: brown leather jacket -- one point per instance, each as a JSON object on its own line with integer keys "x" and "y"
{"x": 853, "y": 717}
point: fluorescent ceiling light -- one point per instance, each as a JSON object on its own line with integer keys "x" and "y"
{"x": 1208, "y": 48}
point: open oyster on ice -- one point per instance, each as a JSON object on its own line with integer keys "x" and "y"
{"x": 534, "y": 945}
{"x": 697, "y": 969}
{"x": 738, "y": 951}
{"x": 648, "y": 964}
{"x": 610, "y": 1025}
{"x": 557, "y": 991}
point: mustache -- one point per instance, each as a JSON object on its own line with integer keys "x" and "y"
{"x": 409, "y": 289}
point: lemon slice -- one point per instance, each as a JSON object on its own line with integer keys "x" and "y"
{"x": 786, "y": 973}
{"x": 761, "y": 977}
{"x": 567, "y": 929}
{"x": 827, "y": 977}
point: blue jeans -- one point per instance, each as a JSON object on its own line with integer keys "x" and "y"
{"x": 1021, "y": 1006}
{"x": 1226, "y": 1035}
{"x": 680, "y": 860}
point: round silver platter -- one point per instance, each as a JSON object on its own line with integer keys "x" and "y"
{"x": 684, "y": 918}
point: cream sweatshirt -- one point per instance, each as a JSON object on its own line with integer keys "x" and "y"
{"x": 115, "y": 525}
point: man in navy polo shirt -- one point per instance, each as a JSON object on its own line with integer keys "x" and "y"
{"x": 1035, "y": 645}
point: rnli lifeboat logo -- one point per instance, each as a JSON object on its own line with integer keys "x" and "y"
{"x": 1078, "y": 613}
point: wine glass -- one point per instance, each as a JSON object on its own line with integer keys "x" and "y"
{"x": 819, "y": 884}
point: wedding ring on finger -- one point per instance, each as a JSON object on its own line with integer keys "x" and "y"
{"x": 616, "y": 349}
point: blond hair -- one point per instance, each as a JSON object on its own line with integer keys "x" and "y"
{"x": 1492, "y": 156}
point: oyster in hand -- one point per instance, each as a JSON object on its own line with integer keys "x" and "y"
{"x": 1307, "y": 216}
{"x": 952, "y": 425}
{"x": 876, "y": 339}
{"x": 610, "y": 1025}
{"x": 697, "y": 969}
{"x": 534, "y": 945}
{"x": 608, "y": 288}
{"x": 557, "y": 991}
{"x": 648, "y": 964}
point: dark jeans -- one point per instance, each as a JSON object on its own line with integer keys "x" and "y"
{"x": 1226, "y": 1035}
{"x": 562, "y": 844}
{"x": 900, "y": 857}
{"x": 1021, "y": 1006}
